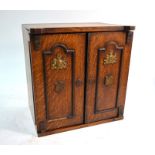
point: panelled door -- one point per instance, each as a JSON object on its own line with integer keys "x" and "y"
{"x": 58, "y": 67}
{"x": 105, "y": 70}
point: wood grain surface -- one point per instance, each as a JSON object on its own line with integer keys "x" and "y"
{"x": 101, "y": 100}
{"x": 64, "y": 108}
{"x": 48, "y": 28}
{"x": 77, "y": 73}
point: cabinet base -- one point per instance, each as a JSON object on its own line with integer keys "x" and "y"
{"x": 79, "y": 126}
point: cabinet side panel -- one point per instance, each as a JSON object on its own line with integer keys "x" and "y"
{"x": 124, "y": 72}
{"x": 28, "y": 71}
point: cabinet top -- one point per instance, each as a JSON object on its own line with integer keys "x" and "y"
{"x": 74, "y": 27}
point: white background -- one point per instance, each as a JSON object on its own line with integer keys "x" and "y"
{"x": 134, "y": 135}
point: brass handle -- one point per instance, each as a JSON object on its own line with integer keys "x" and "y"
{"x": 108, "y": 80}
{"x": 59, "y": 62}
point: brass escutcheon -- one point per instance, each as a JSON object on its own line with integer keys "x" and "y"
{"x": 111, "y": 58}
{"x": 59, "y": 62}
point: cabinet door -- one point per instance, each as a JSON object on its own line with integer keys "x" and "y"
{"x": 107, "y": 69}
{"x": 58, "y": 62}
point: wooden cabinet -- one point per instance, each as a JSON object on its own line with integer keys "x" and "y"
{"x": 77, "y": 73}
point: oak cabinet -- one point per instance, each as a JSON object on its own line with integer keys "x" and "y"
{"x": 76, "y": 73}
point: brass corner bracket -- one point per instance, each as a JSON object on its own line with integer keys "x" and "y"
{"x": 36, "y": 40}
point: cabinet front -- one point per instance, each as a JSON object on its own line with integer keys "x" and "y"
{"x": 58, "y": 80}
{"x": 104, "y": 63}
